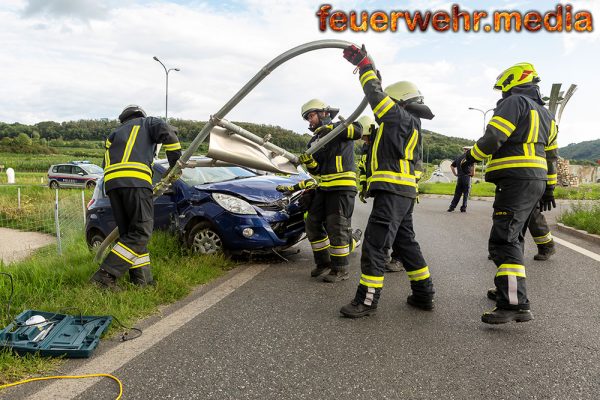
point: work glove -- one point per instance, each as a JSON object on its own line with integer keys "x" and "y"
{"x": 362, "y": 194}
{"x": 308, "y": 160}
{"x": 284, "y": 188}
{"x": 547, "y": 201}
{"x": 357, "y": 56}
{"x": 466, "y": 163}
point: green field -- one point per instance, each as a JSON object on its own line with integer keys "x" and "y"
{"x": 48, "y": 282}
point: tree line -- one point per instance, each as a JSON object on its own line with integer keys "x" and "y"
{"x": 34, "y": 138}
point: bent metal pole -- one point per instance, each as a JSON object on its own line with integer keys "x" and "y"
{"x": 160, "y": 188}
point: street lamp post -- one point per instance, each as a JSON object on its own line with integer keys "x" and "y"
{"x": 484, "y": 125}
{"x": 167, "y": 85}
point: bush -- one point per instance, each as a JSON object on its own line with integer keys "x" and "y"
{"x": 582, "y": 216}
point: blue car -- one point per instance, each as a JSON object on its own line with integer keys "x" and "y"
{"x": 228, "y": 209}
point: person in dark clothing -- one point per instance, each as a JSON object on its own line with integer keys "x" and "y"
{"x": 520, "y": 142}
{"x": 463, "y": 182}
{"x": 328, "y": 221}
{"x": 392, "y": 174}
{"x": 127, "y": 166}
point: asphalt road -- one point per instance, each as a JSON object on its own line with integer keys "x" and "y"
{"x": 279, "y": 334}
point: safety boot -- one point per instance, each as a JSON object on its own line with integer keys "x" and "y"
{"x": 424, "y": 303}
{"x": 463, "y": 209}
{"x": 544, "y": 251}
{"x": 450, "y": 209}
{"x": 104, "y": 280}
{"x": 491, "y": 293}
{"x": 336, "y": 276}
{"x": 319, "y": 270}
{"x": 357, "y": 310}
{"x": 394, "y": 266}
{"x": 502, "y": 316}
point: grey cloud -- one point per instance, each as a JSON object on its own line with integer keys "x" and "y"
{"x": 84, "y": 10}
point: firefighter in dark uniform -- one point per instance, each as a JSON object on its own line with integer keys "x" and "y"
{"x": 369, "y": 128}
{"x": 392, "y": 181}
{"x": 328, "y": 223}
{"x": 463, "y": 182}
{"x": 520, "y": 144}
{"x": 127, "y": 165}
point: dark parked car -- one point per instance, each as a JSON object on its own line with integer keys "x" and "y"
{"x": 214, "y": 209}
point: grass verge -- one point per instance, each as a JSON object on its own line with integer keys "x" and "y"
{"x": 583, "y": 216}
{"x": 49, "y": 282}
{"x": 486, "y": 189}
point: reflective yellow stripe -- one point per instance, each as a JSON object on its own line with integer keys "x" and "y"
{"x": 172, "y": 146}
{"x": 517, "y": 162}
{"x": 130, "y": 143}
{"x": 553, "y": 132}
{"x": 338, "y": 164}
{"x": 106, "y": 159}
{"x": 410, "y": 147}
{"x": 383, "y": 106}
{"x": 371, "y": 281}
{"x": 339, "y": 183}
{"x": 127, "y": 174}
{"x": 552, "y": 179}
{"x": 121, "y": 257}
{"x": 374, "y": 164}
{"x": 393, "y": 177}
{"x": 419, "y": 274}
{"x": 128, "y": 165}
{"x": 107, "y": 144}
{"x": 502, "y": 124}
{"x": 547, "y": 238}
{"x": 350, "y": 131}
{"x": 551, "y": 147}
{"x": 331, "y": 177}
{"x": 367, "y": 76}
{"x": 477, "y": 153}
{"x": 511, "y": 270}
{"x": 339, "y": 251}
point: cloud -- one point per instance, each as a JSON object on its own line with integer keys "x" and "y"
{"x": 84, "y": 10}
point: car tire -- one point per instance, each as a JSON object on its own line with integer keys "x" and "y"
{"x": 90, "y": 185}
{"x": 53, "y": 185}
{"x": 203, "y": 239}
{"x": 95, "y": 239}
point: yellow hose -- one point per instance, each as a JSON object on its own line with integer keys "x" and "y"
{"x": 45, "y": 378}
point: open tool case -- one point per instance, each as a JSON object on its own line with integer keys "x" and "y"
{"x": 61, "y": 335}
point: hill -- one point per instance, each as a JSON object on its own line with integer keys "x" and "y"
{"x": 589, "y": 151}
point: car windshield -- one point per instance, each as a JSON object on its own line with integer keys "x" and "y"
{"x": 203, "y": 175}
{"x": 92, "y": 169}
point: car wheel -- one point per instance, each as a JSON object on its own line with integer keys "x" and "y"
{"x": 54, "y": 185}
{"x": 90, "y": 185}
{"x": 96, "y": 240}
{"x": 203, "y": 239}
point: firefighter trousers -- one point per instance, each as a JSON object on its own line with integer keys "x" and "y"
{"x": 328, "y": 227}
{"x": 133, "y": 210}
{"x": 391, "y": 225}
{"x": 463, "y": 186}
{"x": 514, "y": 203}
{"x": 539, "y": 229}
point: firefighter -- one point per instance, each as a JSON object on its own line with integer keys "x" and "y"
{"x": 394, "y": 264}
{"x": 328, "y": 223}
{"x": 463, "y": 182}
{"x": 520, "y": 143}
{"x": 539, "y": 229}
{"x": 128, "y": 183}
{"x": 392, "y": 181}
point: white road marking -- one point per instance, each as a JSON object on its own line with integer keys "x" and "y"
{"x": 120, "y": 355}
{"x": 578, "y": 249}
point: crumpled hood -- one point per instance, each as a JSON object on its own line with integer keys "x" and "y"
{"x": 258, "y": 189}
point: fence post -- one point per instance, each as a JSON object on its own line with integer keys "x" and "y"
{"x": 57, "y": 225}
{"x": 19, "y": 198}
{"x": 83, "y": 206}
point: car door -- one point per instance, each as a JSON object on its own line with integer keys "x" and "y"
{"x": 78, "y": 176}
{"x": 64, "y": 176}
{"x": 165, "y": 209}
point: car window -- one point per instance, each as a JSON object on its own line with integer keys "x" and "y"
{"x": 55, "y": 168}
{"x": 64, "y": 169}
{"x": 93, "y": 169}
{"x": 203, "y": 175}
{"x": 77, "y": 170}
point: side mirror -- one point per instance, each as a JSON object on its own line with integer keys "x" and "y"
{"x": 80, "y": 173}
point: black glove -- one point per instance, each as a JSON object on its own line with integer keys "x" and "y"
{"x": 284, "y": 188}
{"x": 547, "y": 201}
{"x": 466, "y": 163}
{"x": 357, "y": 56}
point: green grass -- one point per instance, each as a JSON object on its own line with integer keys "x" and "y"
{"x": 26, "y": 178}
{"x": 486, "y": 189}
{"x": 49, "y": 282}
{"x": 583, "y": 216}
{"x": 41, "y": 162}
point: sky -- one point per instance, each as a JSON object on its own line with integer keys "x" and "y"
{"x": 67, "y": 60}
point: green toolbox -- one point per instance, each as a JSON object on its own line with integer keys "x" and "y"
{"x": 52, "y": 334}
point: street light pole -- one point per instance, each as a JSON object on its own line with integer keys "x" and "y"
{"x": 167, "y": 85}
{"x": 484, "y": 125}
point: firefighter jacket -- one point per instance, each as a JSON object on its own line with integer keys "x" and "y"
{"x": 520, "y": 141}
{"x": 362, "y": 165}
{"x": 396, "y": 145}
{"x": 334, "y": 166}
{"x": 130, "y": 150}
